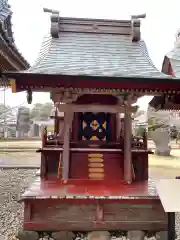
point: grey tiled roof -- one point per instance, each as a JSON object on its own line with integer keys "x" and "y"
{"x": 5, "y": 10}
{"x": 174, "y": 58}
{"x": 78, "y": 53}
{"x": 6, "y": 34}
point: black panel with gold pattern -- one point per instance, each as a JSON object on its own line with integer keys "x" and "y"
{"x": 95, "y": 126}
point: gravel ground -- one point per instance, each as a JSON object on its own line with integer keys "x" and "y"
{"x": 13, "y": 182}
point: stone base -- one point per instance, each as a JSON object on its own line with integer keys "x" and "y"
{"x": 162, "y": 235}
{"x": 27, "y": 235}
{"x": 63, "y": 235}
{"x": 136, "y": 235}
{"x": 98, "y": 235}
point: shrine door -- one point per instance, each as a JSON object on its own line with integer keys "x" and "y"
{"x": 95, "y": 126}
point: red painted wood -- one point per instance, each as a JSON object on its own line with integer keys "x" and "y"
{"x": 97, "y": 99}
{"x": 43, "y": 171}
{"x": 90, "y": 226}
{"x": 113, "y": 166}
{"x": 140, "y": 163}
{"x": 90, "y": 201}
{"x": 39, "y": 81}
{"x": 112, "y": 187}
{"x": 27, "y": 211}
{"x": 99, "y": 212}
{"x": 79, "y": 166}
{"x": 89, "y": 215}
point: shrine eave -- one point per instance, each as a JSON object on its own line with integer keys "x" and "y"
{"x": 10, "y": 57}
{"x": 45, "y": 82}
{"x": 166, "y": 103}
{"x": 170, "y": 67}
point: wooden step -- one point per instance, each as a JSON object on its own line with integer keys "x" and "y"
{"x": 96, "y": 176}
{"x": 95, "y": 160}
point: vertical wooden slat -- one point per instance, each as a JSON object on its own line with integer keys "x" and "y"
{"x": 27, "y": 211}
{"x": 99, "y": 212}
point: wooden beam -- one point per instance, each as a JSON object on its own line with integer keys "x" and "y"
{"x": 95, "y": 108}
{"x": 94, "y": 150}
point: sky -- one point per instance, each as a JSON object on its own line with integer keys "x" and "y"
{"x": 30, "y": 24}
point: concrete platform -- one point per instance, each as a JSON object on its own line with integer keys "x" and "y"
{"x": 168, "y": 191}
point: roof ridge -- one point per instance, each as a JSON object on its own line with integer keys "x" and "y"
{"x": 7, "y": 10}
{"x": 121, "y": 27}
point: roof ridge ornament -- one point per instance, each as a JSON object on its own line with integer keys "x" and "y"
{"x": 54, "y": 22}
{"x": 135, "y": 26}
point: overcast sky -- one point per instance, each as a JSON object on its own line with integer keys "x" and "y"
{"x": 30, "y": 24}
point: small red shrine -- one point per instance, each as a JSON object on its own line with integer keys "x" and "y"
{"x": 94, "y": 173}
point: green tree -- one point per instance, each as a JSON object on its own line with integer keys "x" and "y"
{"x": 41, "y": 112}
{"x": 139, "y": 131}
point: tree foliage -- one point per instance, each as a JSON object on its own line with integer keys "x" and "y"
{"x": 139, "y": 131}
{"x": 41, "y": 112}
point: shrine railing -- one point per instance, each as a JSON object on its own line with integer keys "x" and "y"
{"x": 55, "y": 140}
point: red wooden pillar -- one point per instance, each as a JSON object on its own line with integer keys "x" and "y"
{"x": 127, "y": 145}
